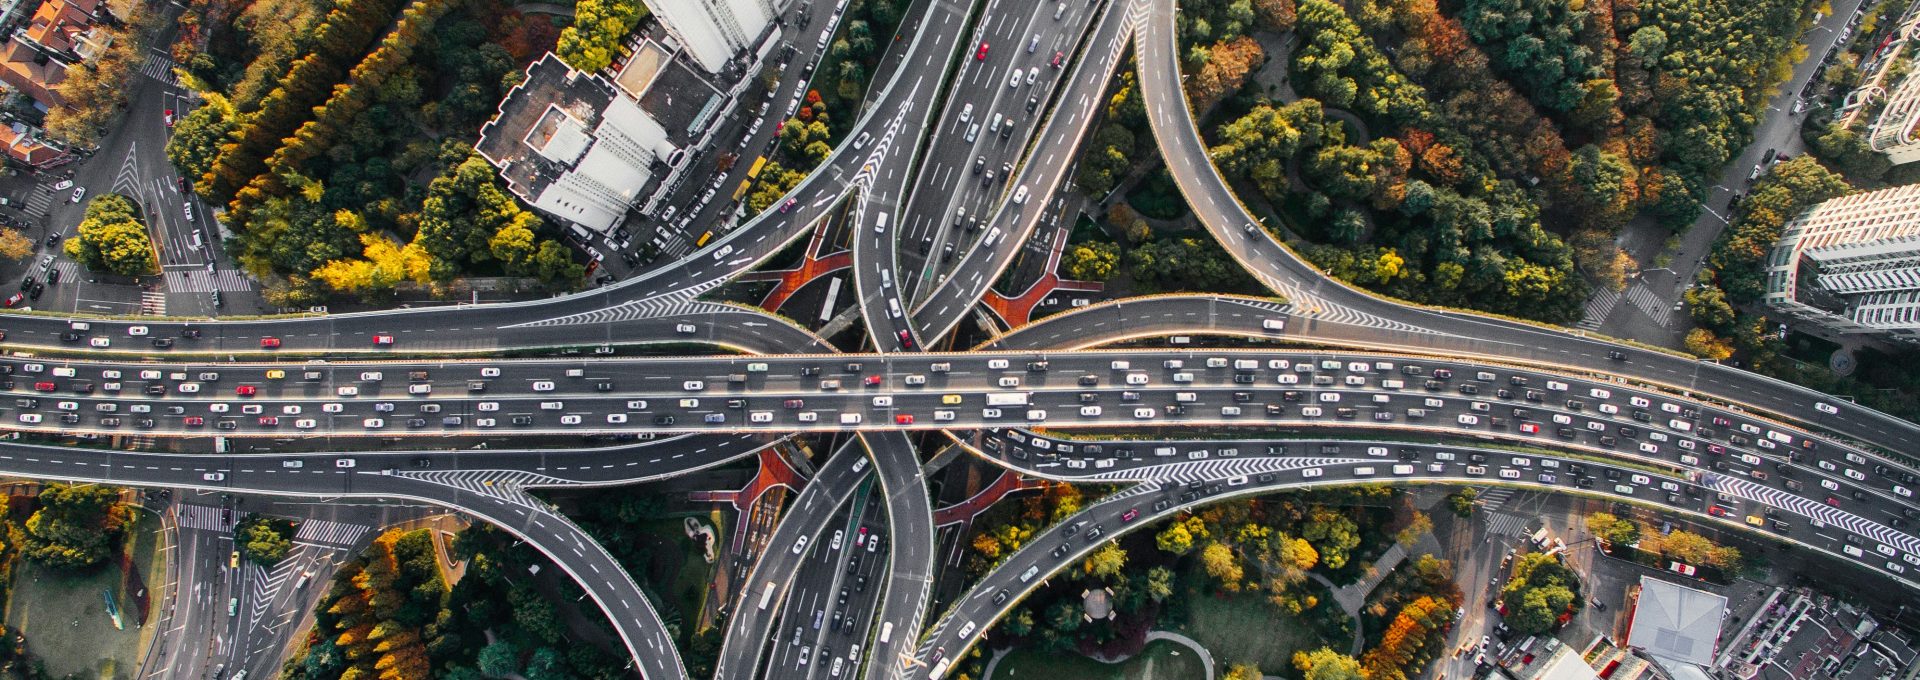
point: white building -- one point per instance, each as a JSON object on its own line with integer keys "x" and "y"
{"x": 1852, "y": 264}
{"x": 1894, "y": 130}
{"x": 713, "y": 31}
{"x": 572, "y": 146}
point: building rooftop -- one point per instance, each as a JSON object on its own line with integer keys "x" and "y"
{"x": 1674, "y": 622}
{"x": 681, "y": 99}
{"x": 32, "y": 73}
{"x": 60, "y": 24}
{"x": 532, "y": 115}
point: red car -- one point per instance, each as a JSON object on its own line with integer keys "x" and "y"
{"x": 1835, "y": 502}
{"x": 269, "y": 343}
{"x": 1057, "y": 58}
{"x": 871, "y": 380}
{"x": 246, "y": 390}
{"x": 903, "y": 419}
{"x": 195, "y": 421}
{"x": 169, "y": 117}
{"x": 906, "y": 339}
{"x": 45, "y": 386}
{"x": 982, "y": 53}
{"x": 1530, "y": 428}
{"x": 1131, "y": 515}
{"x": 787, "y": 206}
{"x": 383, "y": 340}
{"x": 794, "y": 403}
{"x": 1718, "y": 511}
{"x": 15, "y": 300}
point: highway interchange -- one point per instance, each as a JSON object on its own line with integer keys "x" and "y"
{"x": 1428, "y": 390}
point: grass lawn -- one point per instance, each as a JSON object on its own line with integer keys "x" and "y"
{"x": 688, "y": 588}
{"x": 1244, "y": 628}
{"x": 1161, "y": 660}
{"x": 64, "y": 616}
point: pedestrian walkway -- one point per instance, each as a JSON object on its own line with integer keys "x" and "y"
{"x": 1492, "y": 498}
{"x": 1507, "y": 525}
{"x": 1599, "y": 307}
{"x": 1008, "y": 483}
{"x": 40, "y": 202}
{"x": 1016, "y": 311}
{"x": 1649, "y": 303}
{"x": 203, "y": 281}
{"x": 153, "y": 303}
{"x": 202, "y": 517}
{"x": 159, "y": 67}
{"x": 329, "y": 533}
{"x": 69, "y": 270}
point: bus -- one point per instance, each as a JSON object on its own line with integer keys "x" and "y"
{"x": 737, "y": 193}
{"x": 704, "y": 238}
{"x": 766, "y": 597}
{"x": 1007, "y": 398}
{"x": 758, "y": 165}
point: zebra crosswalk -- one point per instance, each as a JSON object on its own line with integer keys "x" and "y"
{"x": 203, "y": 517}
{"x": 328, "y": 532}
{"x": 153, "y": 303}
{"x": 1650, "y": 304}
{"x": 69, "y": 270}
{"x": 203, "y": 281}
{"x": 40, "y": 202}
{"x": 159, "y": 67}
{"x": 1492, "y": 498}
{"x": 1599, "y": 307}
{"x": 1506, "y": 525}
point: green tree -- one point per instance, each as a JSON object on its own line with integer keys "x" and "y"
{"x": 1094, "y": 261}
{"x": 15, "y": 245}
{"x": 1708, "y": 306}
{"x": 1420, "y": 525}
{"x": 263, "y": 541}
{"x": 553, "y": 264}
{"x": 1019, "y": 624}
{"x": 1615, "y": 530}
{"x": 1106, "y": 562}
{"x": 112, "y": 239}
{"x": 1462, "y": 502}
{"x": 1223, "y": 566}
{"x": 196, "y": 137}
{"x": 1326, "y": 664}
{"x": 592, "y": 42}
{"x": 1332, "y": 534}
{"x": 1345, "y": 173}
{"x": 75, "y": 528}
{"x": 499, "y": 659}
{"x": 1175, "y": 539}
{"x": 547, "y": 664}
{"x": 1159, "y": 583}
{"x": 1242, "y": 671}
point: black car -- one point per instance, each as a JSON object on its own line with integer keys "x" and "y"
{"x": 27, "y": 283}
{"x": 70, "y": 336}
{"x": 663, "y": 420}
{"x": 53, "y": 277}
{"x": 163, "y": 343}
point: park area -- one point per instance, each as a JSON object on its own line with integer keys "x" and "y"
{"x": 65, "y": 616}
{"x": 1160, "y": 660}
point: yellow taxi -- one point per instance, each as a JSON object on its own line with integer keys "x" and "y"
{"x": 276, "y": 374}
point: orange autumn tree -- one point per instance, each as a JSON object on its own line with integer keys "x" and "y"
{"x": 379, "y": 604}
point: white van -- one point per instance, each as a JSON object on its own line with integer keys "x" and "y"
{"x": 880, "y": 224}
{"x": 849, "y": 419}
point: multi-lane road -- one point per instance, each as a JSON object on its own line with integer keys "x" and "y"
{"x": 981, "y": 113}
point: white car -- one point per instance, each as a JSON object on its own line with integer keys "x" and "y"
{"x": 760, "y": 417}
{"x": 373, "y": 423}
{"x": 136, "y": 331}
{"x": 693, "y": 386}
{"x": 989, "y": 413}
{"x": 305, "y": 423}
{"x": 290, "y": 410}
{"x": 543, "y": 386}
{"x": 1825, "y": 407}
{"x": 189, "y": 388}
{"x": 99, "y": 342}
{"x": 616, "y": 418}
{"x": 637, "y": 405}
{"x": 570, "y": 420}
{"x": 1143, "y": 414}
{"x": 1090, "y": 411}
{"x": 487, "y": 406}
{"x": 1311, "y": 473}
{"x": 686, "y": 328}
{"x": 213, "y": 476}
{"x": 484, "y": 422}
{"x": 490, "y": 373}
{"x": 347, "y": 391}
{"x": 343, "y": 462}
{"x": 30, "y": 418}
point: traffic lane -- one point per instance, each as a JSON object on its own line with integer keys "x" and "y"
{"x": 1453, "y": 331}
{"x": 812, "y": 610}
{"x": 569, "y": 548}
{"x": 973, "y": 613}
{"x": 952, "y": 158}
{"x": 1066, "y": 126}
{"x": 697, "y": 323}
{"x": 1355, "y": 391}
{"x": 910, "y": 554}
{"x": 749, "y": 630}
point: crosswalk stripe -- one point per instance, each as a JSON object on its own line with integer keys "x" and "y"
{"x": 1506, "y": 525}
{"x": 159, "y": 67}
{"x": 1650, "y": 304}
{"x": 322, "y": 531}
{"x": 202, "y": 281}
{"x": 153, "y": 303}
{"x": 202, "y": 517}
{"x": 1599, "y": 306}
